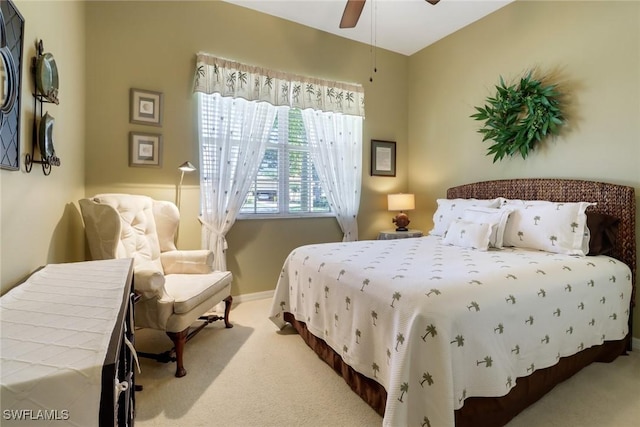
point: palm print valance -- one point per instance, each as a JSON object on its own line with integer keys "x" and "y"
{"x": 229, "y": 78}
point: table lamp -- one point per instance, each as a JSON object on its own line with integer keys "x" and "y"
{"x": 401, "y": 202}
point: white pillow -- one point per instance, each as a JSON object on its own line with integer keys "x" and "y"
{"x": 468, "y": 234}
{"x": 548, "y": 226}
{"x": 496, "y": 218}
{"x": 451, "y": 209}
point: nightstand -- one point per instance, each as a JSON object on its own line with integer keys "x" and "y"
{"x": 393, "y": 234}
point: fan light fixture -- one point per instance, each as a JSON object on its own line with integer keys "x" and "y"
{"x": 401, "y": 202}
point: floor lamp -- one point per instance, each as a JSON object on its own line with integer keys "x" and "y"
{"x": 185, "y": 167}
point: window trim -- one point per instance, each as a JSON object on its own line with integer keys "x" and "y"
{"x": 262, "y": 216}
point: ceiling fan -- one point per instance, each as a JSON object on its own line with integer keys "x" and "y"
{"x": 353, "y": 9}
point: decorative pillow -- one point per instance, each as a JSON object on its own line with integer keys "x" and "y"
{"x": 468, "y": 234}
{"x": 548, "y": 226}
{"x": 451, "y": 209}
{"x": 604, "y": 229}
{"x": 496, "y": 218}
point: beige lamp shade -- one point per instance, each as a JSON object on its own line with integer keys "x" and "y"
{"x": 401, "y": 202}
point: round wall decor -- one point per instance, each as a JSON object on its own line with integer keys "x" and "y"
{"x": 519, "y": 116}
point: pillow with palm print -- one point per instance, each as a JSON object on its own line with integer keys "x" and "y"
{"x": 468, "y": 234}
{"x": 496, "y": 218}
{"x": 547, "y": 226}
{"x": 450, "y": 210}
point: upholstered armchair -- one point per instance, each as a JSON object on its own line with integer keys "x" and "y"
{"x": 176, "y": 288}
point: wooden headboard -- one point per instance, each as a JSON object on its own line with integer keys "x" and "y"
{"x": 612, "y": 199}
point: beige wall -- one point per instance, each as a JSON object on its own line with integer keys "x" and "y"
{"x": 152, "y": 45}
{"x": 592, "y": 49}
{"x": 39, "y": 217}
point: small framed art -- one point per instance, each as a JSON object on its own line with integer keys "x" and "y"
{"x": 383, "y": 158}
{"x": 145, "y": 149}
{"x": 146, "y": 107}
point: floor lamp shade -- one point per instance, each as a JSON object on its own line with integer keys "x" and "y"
{"x": 187, "y": 167}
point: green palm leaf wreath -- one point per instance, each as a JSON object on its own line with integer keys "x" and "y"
{"x": 519, "y": 116}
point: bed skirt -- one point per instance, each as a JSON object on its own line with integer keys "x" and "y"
{"x": 477, "y": 411}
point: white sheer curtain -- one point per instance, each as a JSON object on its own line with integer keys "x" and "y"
{"x": 233, "y": 134}
{"x": 335, "y": 142}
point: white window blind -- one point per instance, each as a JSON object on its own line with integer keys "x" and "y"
{"x": 287, "y": 183}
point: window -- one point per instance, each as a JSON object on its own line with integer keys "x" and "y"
{"x": 239, "y": 116}
{"x": 286, "y": 183}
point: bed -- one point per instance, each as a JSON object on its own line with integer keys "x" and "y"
{"x": 438, "y": 331}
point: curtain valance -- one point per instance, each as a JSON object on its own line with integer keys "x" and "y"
{"x": 230, "y": 78}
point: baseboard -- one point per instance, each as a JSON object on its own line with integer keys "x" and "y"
{"x": 254, "y": 296}
{"x": 635, "y": 344}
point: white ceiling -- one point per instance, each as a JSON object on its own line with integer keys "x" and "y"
{"x": 402, "y": 26}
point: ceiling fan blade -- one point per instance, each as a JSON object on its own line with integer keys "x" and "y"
{"x": 433, "y": 1}
{"x": 351, "y": 13}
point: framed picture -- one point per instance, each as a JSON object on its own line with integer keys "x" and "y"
{"x": 146, "y": 107}
{"x": 145, "y": 149}
{"x": 383, "y": 158}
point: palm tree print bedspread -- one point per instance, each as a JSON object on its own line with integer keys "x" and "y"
{"x": 435, "y": 324}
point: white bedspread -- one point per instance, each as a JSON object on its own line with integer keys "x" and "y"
{"x": 56, "y": 327}
{"x": 435, "y": 324}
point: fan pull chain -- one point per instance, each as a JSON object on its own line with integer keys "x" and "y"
{"x": 374, "y": 38}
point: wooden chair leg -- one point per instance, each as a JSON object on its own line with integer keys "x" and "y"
{"x": 179, "y": 340}
{"x": 227, "y": 308}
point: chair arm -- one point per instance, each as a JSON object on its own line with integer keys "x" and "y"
{"x": 149, "y": 282}
{"x": 198, "y": 261}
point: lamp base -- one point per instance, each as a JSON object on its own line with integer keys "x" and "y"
{"x": 401, "y": 220}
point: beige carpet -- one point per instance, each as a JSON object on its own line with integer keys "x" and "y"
{"x": 254, "y": 375}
